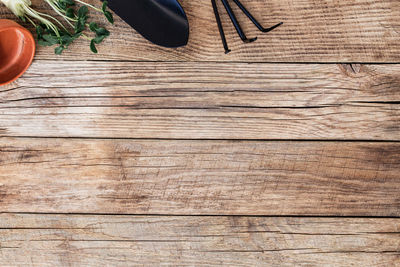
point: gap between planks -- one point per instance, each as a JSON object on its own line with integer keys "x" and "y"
{"x": 196, "y": 215}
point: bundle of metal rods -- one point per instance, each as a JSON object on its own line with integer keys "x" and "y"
{"x": 236, "y": 24}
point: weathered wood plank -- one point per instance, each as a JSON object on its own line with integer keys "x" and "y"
{"x": 314, "y": 31}
{"x": 79, "y": 240}
{"x": 199, "y": 177}
{"x": 203, "y": 101}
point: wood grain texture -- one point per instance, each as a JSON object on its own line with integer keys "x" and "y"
{"x": 313, "y": 31}
{"x": 140, "y": 92}
{"x": 199, "y": 177}
{"x": 203, "y": 101}
{"x": 77, "y": 240}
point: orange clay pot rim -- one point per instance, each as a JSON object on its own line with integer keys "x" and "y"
{"x": 28, "y": 35}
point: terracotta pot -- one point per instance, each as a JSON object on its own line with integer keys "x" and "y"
{"x": 17, "y": 49}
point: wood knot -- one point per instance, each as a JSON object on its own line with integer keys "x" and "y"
{"x": 350, "y": 69}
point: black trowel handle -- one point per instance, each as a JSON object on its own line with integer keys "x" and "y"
{"x": 162, "y": 22}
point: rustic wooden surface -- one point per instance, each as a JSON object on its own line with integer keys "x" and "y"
{"x": 313, "y": 31}
{"x": 200, "y": 177}
{"x": 83, "y": 240}
{"x": 204, "y": 101}
{"x": 149, "y": 156}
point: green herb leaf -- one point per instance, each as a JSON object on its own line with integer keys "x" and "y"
{"x": 80, "y": 24}
{"x": 64, "y": 4}
{"x": 77, "y": 35}
{"x": 68, "y": 2}
{"x": 70, "y": 13}
{"x": 44, "y": 43}
{"x": 99, "y": 39}
{"x": 109, "y": 16}
{"x": 58, "y": 50}
{"x": 82, "y": 12}
{"x": 104, "y": 7}
{"x": 66, "y": 40}
{"x": 39, "y": 31}
{"x": 93, "y": 47}
{"x": 99, "y": 31}
{"x": 93, "y": 26}
{"x": 51, "y": 39}
{"x": 102, "y": 31}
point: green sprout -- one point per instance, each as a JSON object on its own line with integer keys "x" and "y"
{"x": 51, "y": 31}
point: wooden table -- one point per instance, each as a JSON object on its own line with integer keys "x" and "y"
{"x": 285, "y": 152}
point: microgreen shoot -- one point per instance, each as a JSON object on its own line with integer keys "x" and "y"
{"x": 51, "y": 31}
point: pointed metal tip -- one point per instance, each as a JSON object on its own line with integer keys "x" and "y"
{"x": 273, "y": 27}
{"x": 247, "y": 41}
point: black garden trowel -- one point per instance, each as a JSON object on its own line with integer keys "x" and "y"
{"x": 162, "y": 22}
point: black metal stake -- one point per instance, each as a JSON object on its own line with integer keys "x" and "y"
{"x": 236, "y": 23}
{"x": 220, "y": 27}
{"x": 253, "y": 19}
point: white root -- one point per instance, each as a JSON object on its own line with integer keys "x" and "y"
{"x": 17, "y": 6}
